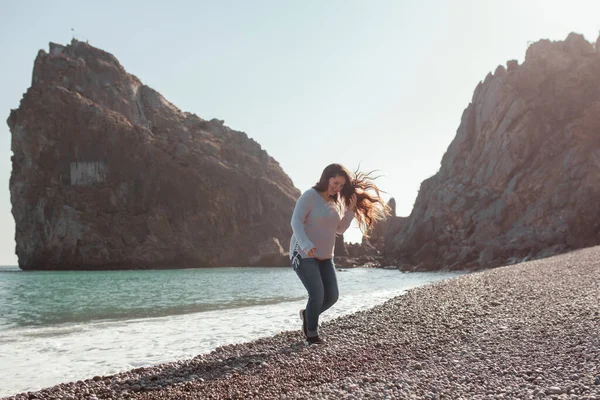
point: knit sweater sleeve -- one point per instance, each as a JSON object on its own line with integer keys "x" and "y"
{"x": 345, "y": 222}
{"x": 303, "y": 207}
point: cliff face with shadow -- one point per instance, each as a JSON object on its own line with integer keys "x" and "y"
{"x": 108, "y": 174}
{"x": 521, "y": 178}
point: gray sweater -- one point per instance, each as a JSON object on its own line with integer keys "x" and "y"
{"x": 315, "y": 223}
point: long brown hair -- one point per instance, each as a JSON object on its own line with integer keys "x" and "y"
{"x": 370, "y": 207}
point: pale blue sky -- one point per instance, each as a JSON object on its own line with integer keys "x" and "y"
{"x": 383, "y": 83}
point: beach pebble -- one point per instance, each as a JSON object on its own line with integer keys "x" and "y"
{"x": 554, "y": 390}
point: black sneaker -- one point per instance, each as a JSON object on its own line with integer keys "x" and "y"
{"x": 303, "y": 318}
{"x": 310, "y": 340}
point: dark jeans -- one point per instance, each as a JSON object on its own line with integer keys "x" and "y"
{"x": 318, "y": 277}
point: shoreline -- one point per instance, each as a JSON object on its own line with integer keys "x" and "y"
{"x": 529, "y": 330}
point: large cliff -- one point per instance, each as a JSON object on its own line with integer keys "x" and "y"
{"x": 109, "y": 174}
{"x": 521, "y": 179}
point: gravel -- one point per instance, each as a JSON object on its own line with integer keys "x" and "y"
{"x": 527, "y": 331}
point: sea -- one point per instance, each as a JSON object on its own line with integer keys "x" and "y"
{"x": 72, "y": 325}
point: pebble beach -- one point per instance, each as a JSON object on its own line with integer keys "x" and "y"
{"x": 526, "y": 331}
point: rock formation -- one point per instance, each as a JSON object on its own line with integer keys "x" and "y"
{"x": 109, "y": 174}
{"x": 371, "y": 251}
{"x": 521, "y": 178}
{"x": 340, "y": 247}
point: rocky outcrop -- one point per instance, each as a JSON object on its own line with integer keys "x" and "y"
{"x": 270, "y": 254}
{"x": 383, "y": 231}
{"x": 371, "y": 251}
{"x": 340, "y": 249}
{"x": 108, "y": 174}
{"x": 520, "y": 179}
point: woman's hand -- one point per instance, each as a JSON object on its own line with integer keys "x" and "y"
{"x": 312, "y": 253}
{"x": 352, "y": 205}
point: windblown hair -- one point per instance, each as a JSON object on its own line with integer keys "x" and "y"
{"x": 370, "y": 207}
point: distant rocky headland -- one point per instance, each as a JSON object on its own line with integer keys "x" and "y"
{"x": 107, "y": 174}
{"x": 521, "y": 179}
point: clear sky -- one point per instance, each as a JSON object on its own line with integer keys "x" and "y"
{"x": 382, "y": 83}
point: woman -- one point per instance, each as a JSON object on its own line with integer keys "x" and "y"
{"x": 323, "y": 211}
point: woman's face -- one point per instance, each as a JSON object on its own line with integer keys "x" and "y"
{"x": 335, "y": 185}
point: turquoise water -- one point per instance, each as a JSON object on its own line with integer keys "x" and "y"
{"x": 65, "y": 326}
{"x": 48, "y": 298}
